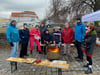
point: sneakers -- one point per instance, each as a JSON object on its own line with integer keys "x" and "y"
{"x": 88, "y": 71}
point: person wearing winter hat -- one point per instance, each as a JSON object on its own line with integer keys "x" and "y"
{"x": 13, "y": 38}
{"x": 47, "y": 38}
{"x": 24, "y": 35}
{"x": 57, "y": 36}
{"x": 35, "y": 36}
{"x": 80, "y": 31}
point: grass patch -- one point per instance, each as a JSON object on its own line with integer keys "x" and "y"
{"x": 3, "y": 30}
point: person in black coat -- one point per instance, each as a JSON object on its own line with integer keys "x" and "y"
{"x": 47, "y": 39}
{"x": 24, "y": 35}
{"x": 88, "y": 48}
{"x": 42, "y": 29}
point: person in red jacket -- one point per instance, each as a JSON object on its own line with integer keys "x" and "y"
{"x": 67, "y": 36}
{"x": 35, "y": 36}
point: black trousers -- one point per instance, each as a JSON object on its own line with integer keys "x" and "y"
{"x": 23, "y": 50}
{"x": 79, "y": 51}
{"x": 89, "y": 59}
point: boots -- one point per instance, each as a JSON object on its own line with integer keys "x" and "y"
{"x": 31, "y": 52}
{"x": 40, "y": 52}
{"x": 89, "y": 70}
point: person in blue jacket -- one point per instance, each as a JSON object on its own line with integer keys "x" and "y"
{"x": 13, "y": 38}
{"x": 80, "y": 31}
{"x": 24, "y": 35}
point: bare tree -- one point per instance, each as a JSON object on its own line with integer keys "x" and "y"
{"x": 68, "y": 10}
{"x": 57, "y": 10}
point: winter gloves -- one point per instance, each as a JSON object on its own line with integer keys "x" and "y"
{"x": 11, "y": 44}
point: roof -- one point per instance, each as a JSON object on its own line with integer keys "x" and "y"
{"x": 95, "y": 16}
{"x": 17, "y": 14}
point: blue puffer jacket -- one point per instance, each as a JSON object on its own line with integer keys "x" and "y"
{"x": 12, "y": 34}
{"x": 80, "y": 31}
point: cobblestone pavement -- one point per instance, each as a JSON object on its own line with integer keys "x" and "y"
{"x": 28, "y": 69}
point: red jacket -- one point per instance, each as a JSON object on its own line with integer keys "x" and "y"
{"x": 34, "y": 31}
{"x": 68, "y": 35}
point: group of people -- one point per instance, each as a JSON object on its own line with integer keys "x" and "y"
{"x": 84, "y": 40}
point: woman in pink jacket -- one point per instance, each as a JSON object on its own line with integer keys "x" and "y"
{"x": 34, "y": 37}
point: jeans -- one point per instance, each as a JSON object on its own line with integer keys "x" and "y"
{"x": 14, "y": 50}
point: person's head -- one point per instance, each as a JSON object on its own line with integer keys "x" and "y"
{"x": 91, "y": 28}
{"x": 42, "y": 25}
{"x": 66, "y": 26}
{"x": 25, "y": 25}
{"x": 46, "y": 31}
{"x": 37, "y": 27}
{"x": 13, "y": 22}
{"x": 56, "y": 28}
{"x": 91, "y": 23}
{"x": 78, "y": 20}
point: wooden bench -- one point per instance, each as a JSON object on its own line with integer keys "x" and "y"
{"x": 33, "y": 62}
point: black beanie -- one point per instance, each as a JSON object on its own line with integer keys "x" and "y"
{"x": 78, "y": 18}
{"x": 36, "y": 26}
{"x": 24, "y": 24}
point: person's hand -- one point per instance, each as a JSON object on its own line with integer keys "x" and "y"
{"x": 40, "y": 38}
{"x": 59, "y": 45}
{"x": 54, "y": 42}
{"x": 11, "y": 44}
{"x": 87, "y": 31}
{"x": 59, "y": 42}
{"x": 23, "y": 37}
{"x": 50, "y": 42}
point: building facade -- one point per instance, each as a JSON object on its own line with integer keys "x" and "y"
{"x": 28, "y": 17}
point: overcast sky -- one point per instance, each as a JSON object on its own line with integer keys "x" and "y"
{"x": 38, "y": 6}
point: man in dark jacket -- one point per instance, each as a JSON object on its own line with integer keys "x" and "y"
{"x": 47, "y": 39}
{"x": 80, "y": 31}
{"x": 42, "y": 29}
{"x": 24, "y": 35}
